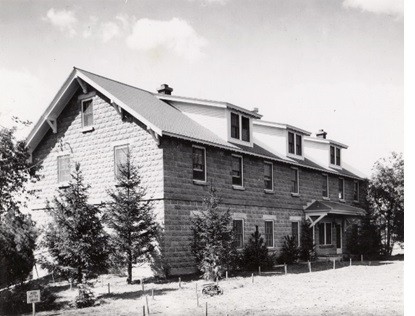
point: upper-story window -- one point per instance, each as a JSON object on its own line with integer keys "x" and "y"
{"x": 341, "y": 189}
{"x": 268, "y": 177}
{"x": 121, "y": 154}
{"x": 295, "y": 185}
{"x": 87, "y": 113}
{"x": 240, "y": 127}
{"x": 325, "y": 185}
{"x": 356, "y": 191}
{"x": 237, "y": 170}
{"x": 335, "y": 156}
{"x": 64, "y": 168}
{"x": 199, "y": 163}
{"x": 295, "y": 144}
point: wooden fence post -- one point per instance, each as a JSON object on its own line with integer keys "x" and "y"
{"x": 350, "y": 262}
{"x": 259, "y": 270}
{"x": 226, "y": 273}
{"x": 285, "y": 268}
{"x": 148, "y": 308}
{"x": 252, "y": 278}
{"x": 309, "y": 266}
{"x": 180, "y": 282}
{"x": 109, "y": 289}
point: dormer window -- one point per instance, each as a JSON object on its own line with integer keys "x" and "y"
{"x": 335, "y": 156}
{"x": 295, "y": 144}
{"x": 240, "y": 127}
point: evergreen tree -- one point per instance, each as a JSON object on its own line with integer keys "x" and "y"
{"x": 17, "y": 230}
{"x": 75, "y": 237}
{"x": 307, "y": 246}
{"x": 289, "y": 250}
{"x": 255, "y": 253}
{"x": 213, "y": 240}
{"x": 131, "y": 218}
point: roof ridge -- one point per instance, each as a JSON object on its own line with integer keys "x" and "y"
{"x": 117, "y": 81}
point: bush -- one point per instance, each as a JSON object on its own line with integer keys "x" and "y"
{"x": 255, "y": 253}
{"x": 14, "y": 301}
{"x": 307, "y": 246}
{"x": 85, "y": 296}
{"x": 289, "y": 251}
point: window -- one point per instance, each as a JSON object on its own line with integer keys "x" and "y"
{"x": 325, "y": 185}
{"x": 335, "y": 156}
{"x": 295, "y": 145}
{"x": 245, "y": 129}
{"x": 234, "y": 125}
{"x": 121, "y": 154}
{"x": 238, "y": 228}
{"x": 199, "y": 163}
{"x": 269, "y": 233}
{"x": 87, "y": 113}
{"x": 341, "y": 189}
{"x": 324, "y": 233}
{"x": 268, "y": 177}
{"x": 240, "y": 127}
{"x": 356, "y": 191}
{"x": 295, "y": 232}
{"x": 295, "y": 181}
{"x": 237, "y": 170}
{"x": 64, "y": 168}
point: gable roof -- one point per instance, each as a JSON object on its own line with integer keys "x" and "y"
{"x": 158, "y": 116}
{"x": 333, "y": 208}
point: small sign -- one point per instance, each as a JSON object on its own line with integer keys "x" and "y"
{"x": 33, "y": 296}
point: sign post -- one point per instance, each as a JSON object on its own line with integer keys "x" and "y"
{"x": 33, "y": 297}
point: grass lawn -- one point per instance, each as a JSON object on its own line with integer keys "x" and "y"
{"x": 357, "y": 290}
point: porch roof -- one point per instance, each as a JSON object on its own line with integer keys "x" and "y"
{"x": 328, "y": 207}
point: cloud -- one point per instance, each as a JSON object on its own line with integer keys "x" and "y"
{"x": 390, "y": 7}
{"x": 65, "y": 20}
{"x": 174, "y": 36}
{"x": 109, "y": 30}
{"x": 90, "y": 26}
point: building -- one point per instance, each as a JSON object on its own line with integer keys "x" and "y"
{"x": 268, "y": 174}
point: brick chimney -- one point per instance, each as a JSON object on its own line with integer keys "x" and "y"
{"x": 321, "y": 134}
{"x": 165, "y": 89}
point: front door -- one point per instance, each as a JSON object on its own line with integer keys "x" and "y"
{"x": 339, "y": 238}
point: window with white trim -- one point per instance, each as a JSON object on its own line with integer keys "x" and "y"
{"x": 269, "y": 234}
{"x": 121, "y": 154}
{"x": 324, "y": 233}
{"x": 295, "y": 144}
{"x": 295, "y": 232}
{"x": 237, "y": 170}
{"x": 356, "y": 191}
{"x": 238, "y": 228}
{"x": 64, "y": 168}
{"x": 341, "y": 189}
{"x": 268, "y": 176}
{"x": 295, "y": 179}
{"x": 199, "y": 163}
{"x": 325, "y": 185}
{"x": 240, "y": 127}
{"x": 87, "y": 113}
{"x": 335, "y": 158}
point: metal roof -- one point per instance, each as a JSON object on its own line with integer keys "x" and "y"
{"x": 334, "y": 208}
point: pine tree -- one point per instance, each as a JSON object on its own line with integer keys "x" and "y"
{"x": 255, "y": 253}
{"x": 131, "y": 218}
{"x": 213, "y": 240}
{"x": 75, "y": 237}
{"x": 307, "y": 246}
{"x": 289, "y": 250}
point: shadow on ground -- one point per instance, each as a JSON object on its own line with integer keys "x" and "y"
{"x": 134, "y": 295}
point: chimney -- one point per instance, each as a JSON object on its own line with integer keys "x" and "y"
{"x": 255, "y": 110}
{"x": 321, "y": 134}
{"x": 165, "y": 89}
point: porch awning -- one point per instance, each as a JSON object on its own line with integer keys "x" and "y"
{"x": 319, "y": 209}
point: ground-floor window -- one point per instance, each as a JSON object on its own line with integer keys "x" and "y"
{"x": 295, "y": 232}
{"x": 269, "y": 233}
{"x": 238, "y": 228}
{"x": 324, "y": 232}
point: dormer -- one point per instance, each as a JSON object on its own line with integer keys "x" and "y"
{"x": 281, "y": 139}
{"x": 228, "y": 121}
{"x": 323, "y": 151}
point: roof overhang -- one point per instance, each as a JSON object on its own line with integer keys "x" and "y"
{"x": 326, "y": 141}
{"x": 317, "y": 210}
{"x": 282, "y": 126}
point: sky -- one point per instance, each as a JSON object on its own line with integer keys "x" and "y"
{"x": 335, "y": 65}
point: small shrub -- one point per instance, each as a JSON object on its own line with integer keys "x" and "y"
{"x": 255, "y": 253}
{"x": 307, "y": 246}
{"x": 85, "y": 296}
{"x": 289, "y": 251}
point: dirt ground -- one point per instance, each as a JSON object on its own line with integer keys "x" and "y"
{"x": 357, "y": 290}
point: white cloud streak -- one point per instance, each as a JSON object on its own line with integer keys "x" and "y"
{"x": 174, "y": 36}
{"x": 389, "y": 7}
{"x": 63, "y": 19}
{"x": 109, "y": 30}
